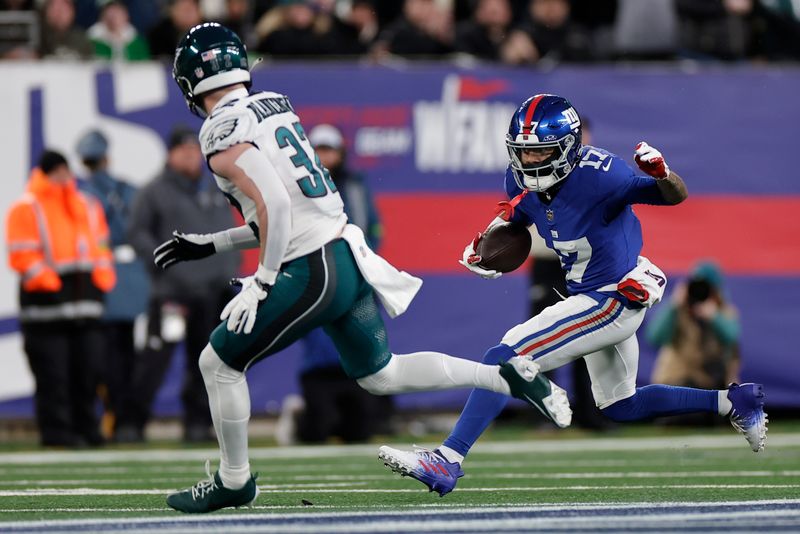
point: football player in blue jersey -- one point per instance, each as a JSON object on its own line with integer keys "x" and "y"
{"x": 579, "y": 198}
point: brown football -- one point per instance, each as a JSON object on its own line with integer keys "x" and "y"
{"x": 504, "y": 247}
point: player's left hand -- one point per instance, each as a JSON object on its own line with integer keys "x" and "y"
{"x": 470, "y": 259}
{"x": 651, "y": 161}
{"x": 241, "y": 311}
{"x": 183, "y": 247}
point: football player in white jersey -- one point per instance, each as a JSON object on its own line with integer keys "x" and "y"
{"x": 314, "y": 269}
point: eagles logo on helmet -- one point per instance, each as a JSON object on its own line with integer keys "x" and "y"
{"x": 543, "y": 122}
{"x": 209, "y": 57}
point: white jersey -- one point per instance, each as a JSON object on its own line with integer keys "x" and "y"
{"x": 267, "y": 121}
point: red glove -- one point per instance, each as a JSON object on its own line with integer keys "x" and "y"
{"x": 633, "y": 290}
{"x": 651, "y": 161}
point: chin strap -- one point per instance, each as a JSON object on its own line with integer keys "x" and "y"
{"x": 505, "y": 209}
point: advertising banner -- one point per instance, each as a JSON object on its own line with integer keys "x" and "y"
{"x": 430, "y": 138}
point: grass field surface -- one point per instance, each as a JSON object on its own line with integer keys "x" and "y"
{"x": 662, "y": 483}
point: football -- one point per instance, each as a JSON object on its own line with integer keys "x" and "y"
{"x": 504, "y": 247}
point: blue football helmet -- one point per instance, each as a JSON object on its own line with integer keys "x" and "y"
{"x": 541, "y": 123}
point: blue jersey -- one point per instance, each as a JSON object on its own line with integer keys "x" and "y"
{"x": 590, "y": 222}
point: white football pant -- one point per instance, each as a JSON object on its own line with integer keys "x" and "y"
{"x": 603, "y": 333}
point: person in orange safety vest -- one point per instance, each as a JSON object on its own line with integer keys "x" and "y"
{"x": 57, "y": 240}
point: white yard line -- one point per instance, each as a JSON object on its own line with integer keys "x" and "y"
{"x": 24, "y": 469}
{"x": 76, "y": 510}
{"x": 71, "y": 492}
{"x": 349, "y": 480}
{"x": 732, "y": 441}
{"x": 161, "y": 467}
{"x": 650, "y": 474}
{"x": 186, "y": 481}
{"x": 443, "y": 506}
{"x": 466, "y": 508}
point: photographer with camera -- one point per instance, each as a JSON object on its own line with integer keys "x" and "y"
{"x": 698, "y": 333}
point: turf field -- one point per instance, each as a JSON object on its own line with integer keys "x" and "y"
{"x": 612, "y": 484}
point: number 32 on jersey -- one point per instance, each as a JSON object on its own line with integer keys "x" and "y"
{"x": 312, "y": 185}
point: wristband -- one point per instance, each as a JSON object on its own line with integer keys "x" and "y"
{"x": 265, "y": 277}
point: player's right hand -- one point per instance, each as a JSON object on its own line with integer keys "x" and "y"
{"x": 183, "y": 247}
{"x": 651, "y": 161}
{"x": 470, "y": 260}
{"x": 240, "y": 313}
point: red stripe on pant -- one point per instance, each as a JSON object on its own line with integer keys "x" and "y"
{"x": 611, "y": 309}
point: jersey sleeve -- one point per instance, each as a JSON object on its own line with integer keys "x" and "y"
{"x": 510, "y": 185}
{"x": 621, "y": 186}
{"x": 225, "y": 128}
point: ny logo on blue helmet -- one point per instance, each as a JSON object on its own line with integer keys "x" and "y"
{"x": 543, "y": 141}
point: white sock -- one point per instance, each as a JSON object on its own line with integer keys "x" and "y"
{"x": 725, "y": 405}
{"x": 229, "y": 402}
{"x": 450, "y": 455}
{"x": 433, "y": 371}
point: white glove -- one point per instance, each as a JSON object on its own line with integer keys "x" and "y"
{"x": 241, "y": 311}
{"x": 651, "y": 161}
{"x": 470, "y": 260}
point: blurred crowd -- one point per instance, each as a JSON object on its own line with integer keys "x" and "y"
{"x": 516, "y": 32}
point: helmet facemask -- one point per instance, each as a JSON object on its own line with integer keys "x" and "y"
{"x": 188, "y": 95}
{"x": 544, "y": 174}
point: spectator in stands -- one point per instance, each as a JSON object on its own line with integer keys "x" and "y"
{"x": 294, "y": 28}
{"x": 364, "y": 19}
{"x": 547, "y": 33}
{"x": 19, "y": 30}
{"x": 113, "y": 35}
{"x": 17, "y": 5}
{"x": 715, "y": 29}
{"x": 144, "y": 14}
{"x": 646, "y": 29}
{"x": 239, "y": 18}
{"x": 357, "y": 29}
{"x": 181, "y": 16}
{"x": 425, "y": 29}
{"x": 777, "y": 28}
{"x": 333, "y": 404}
{"x": 698, "y": 333}
{"x": 594, "y": 14}
{"x": 187, "y": 299}
{"x": 57, "y": 240}
{"x": 597, "y": 19}
{"x": 60, "y": 38}
{"x": 128, "y": 299}
{"x": 483, "y": 35}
